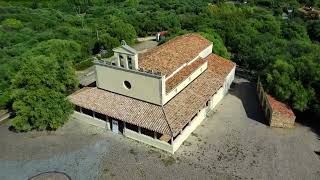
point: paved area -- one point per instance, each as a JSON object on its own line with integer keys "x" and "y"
{"x": 232, "y": 143}
{"x": 145, "y": 45}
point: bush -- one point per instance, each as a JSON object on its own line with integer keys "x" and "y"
{"x": 218, "y": 45}
{"x": 41, "y": 109}
{"x": 12, "y": 24}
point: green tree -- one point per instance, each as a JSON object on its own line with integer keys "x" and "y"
{"x": 218, "y": 45}
{"x": 314, "y": 30}
{"x": 12, "y": 24}
{"x": 38, "y": 95}
{"x": 281, "y": 81}
{"x": 40, "y": 109}
{"x": 122, "y": 30}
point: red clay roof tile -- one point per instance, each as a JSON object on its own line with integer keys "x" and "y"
{"x": 183, "y": 74}
{"x": 169, "y": 56}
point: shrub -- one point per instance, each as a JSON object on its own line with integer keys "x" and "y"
{"x": 12, "y": 24}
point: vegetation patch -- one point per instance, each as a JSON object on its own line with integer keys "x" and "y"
{"x": 187, "y": 143}
{"x": 168, "y": 160}
{"x": 194, "y": 134}
{"x": 133, "y": 152}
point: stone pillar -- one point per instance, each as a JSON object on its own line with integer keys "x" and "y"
{"x": 117, "y": 59}
{"x": 135, "y": 64}
{"x": 80, "y": 109}
{"x": 139, "y": 129}
{"x": 93, "y": 114}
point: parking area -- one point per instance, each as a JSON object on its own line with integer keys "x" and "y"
{"x": 234, "y": 142}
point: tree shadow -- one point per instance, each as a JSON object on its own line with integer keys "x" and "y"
{"x": 310, "y": 120}
{"x": 246, "y": 92}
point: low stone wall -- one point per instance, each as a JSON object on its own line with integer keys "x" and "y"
{"x": 148, "y": 140}
{"x": 90, "y": 120}
{"x": 275, "y": 118}
{"x": 281, "y": 121}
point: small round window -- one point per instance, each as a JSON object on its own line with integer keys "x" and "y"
{"x": 127, "y": 84}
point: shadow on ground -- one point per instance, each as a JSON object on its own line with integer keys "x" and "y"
{"x": 246, "y": 92}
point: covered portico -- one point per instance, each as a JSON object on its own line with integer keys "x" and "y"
{"x": 130, "y": 130}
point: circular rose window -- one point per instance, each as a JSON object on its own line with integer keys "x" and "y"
{"x": 127, "y": 84}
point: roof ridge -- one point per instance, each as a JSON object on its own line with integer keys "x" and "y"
{"x": 165, "y": 117}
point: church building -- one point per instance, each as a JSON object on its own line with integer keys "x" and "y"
{"x": 158, "y": 97}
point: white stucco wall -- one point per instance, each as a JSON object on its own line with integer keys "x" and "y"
{"x": 214, "y": 100}
{"x": 206, "y": 52}
{"x": 189, "y": 129}
{"x": 143, "y": 87}
{"x": 229, "y": 79}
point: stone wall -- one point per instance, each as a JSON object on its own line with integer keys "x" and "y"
{"x": 274, "y": 117}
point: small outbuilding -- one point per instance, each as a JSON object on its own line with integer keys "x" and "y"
{"x": 277, "y": 113}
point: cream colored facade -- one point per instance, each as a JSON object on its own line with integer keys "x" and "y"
{"x": 146, "y": 86}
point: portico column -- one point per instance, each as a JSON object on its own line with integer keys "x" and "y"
{"x": 126, "y": 62}
{"x": 139, "y": 129}
{"x": 117, "y": 59}
{"x": 93, "y": 114}
{"x": 154, "y": 135}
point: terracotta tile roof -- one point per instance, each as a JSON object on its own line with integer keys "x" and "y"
{"x": 220, "y": 66}
{"x": 174, "y": 115}
{"x": 279, "y": 107}
{"x": 130, "y": 110}
{"x": 188, "y": 102}
{"x": 183, "y": 74}
{"x": 169, "y": 56}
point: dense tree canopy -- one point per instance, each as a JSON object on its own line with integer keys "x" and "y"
{"x": 38, "y": 93}
{"x": 54, "y": 37}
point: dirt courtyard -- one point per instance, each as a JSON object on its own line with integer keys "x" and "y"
{"x": 234, "y": 142}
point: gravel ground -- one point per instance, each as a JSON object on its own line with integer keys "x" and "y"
{"x": 232, "y": 143}
{"x": 145, "y": 45}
